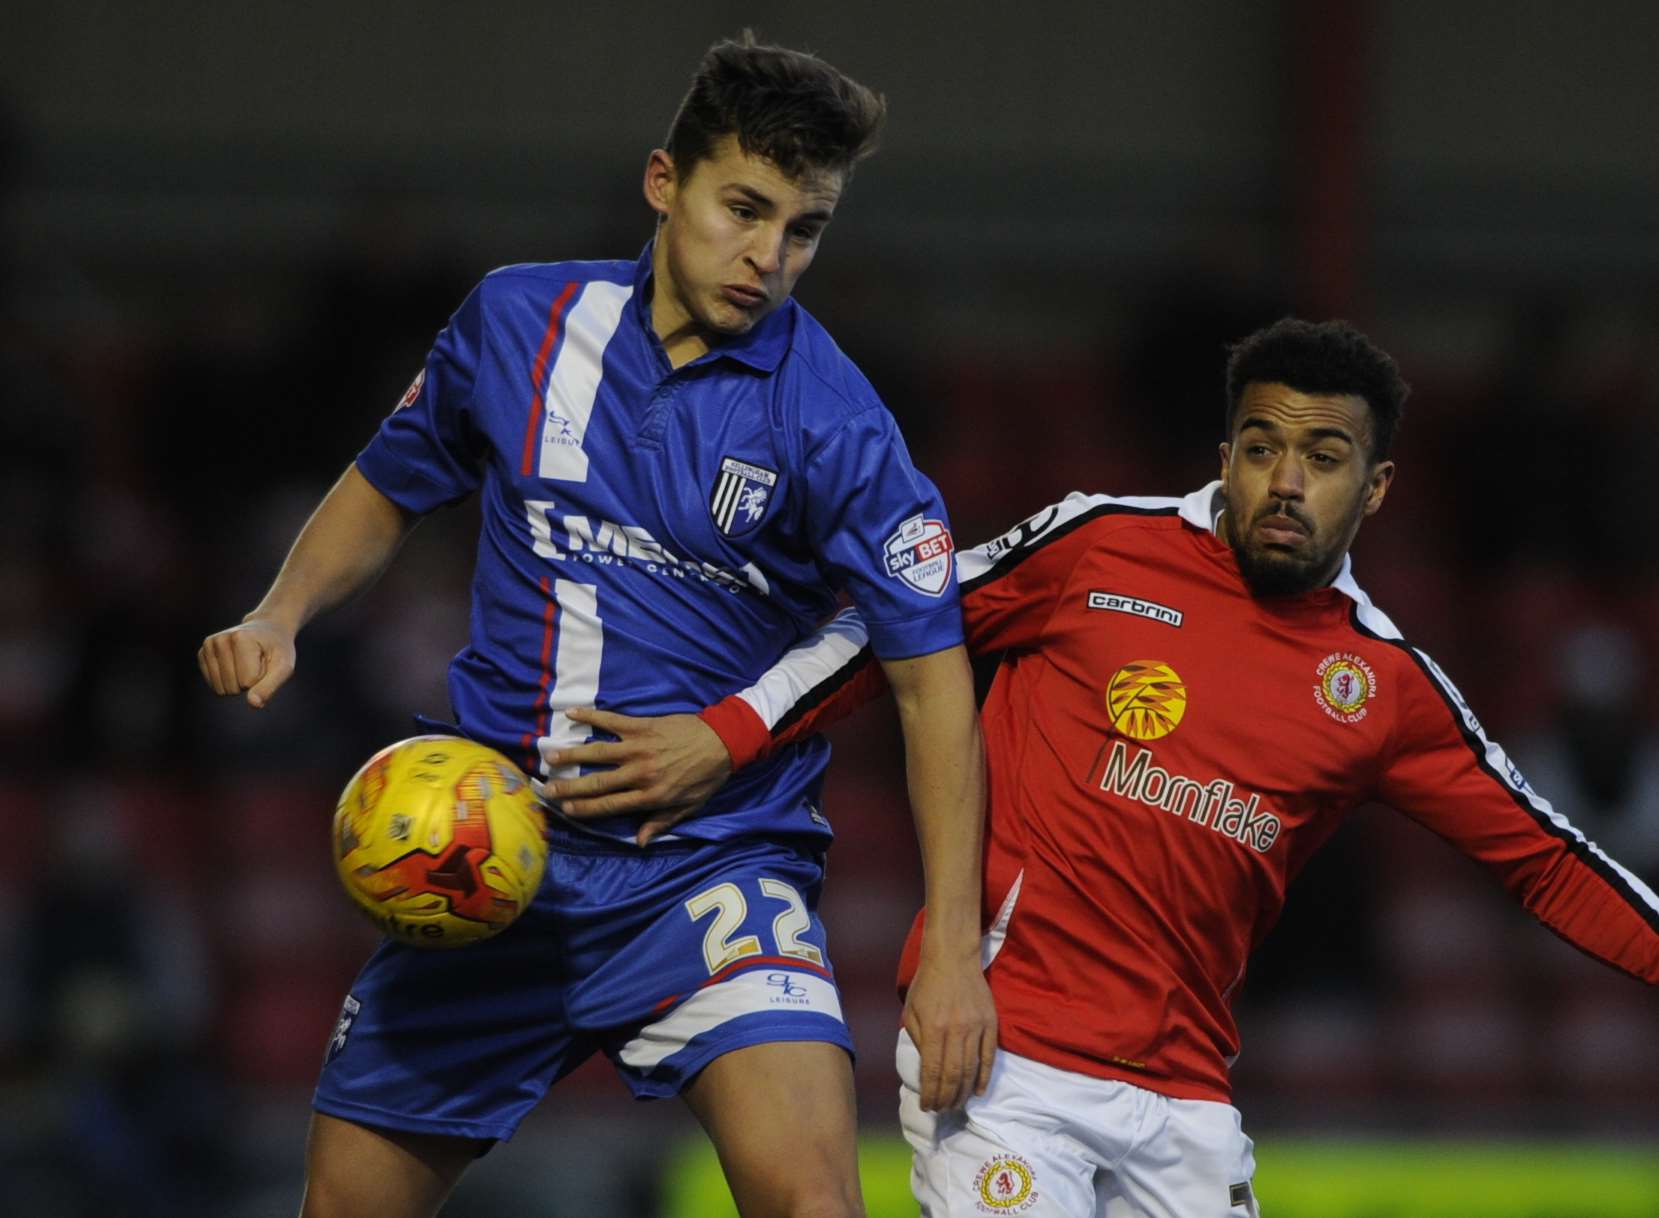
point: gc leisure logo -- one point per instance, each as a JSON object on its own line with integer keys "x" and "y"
{"x": 790, "y": 992}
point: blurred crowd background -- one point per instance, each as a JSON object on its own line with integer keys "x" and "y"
{"x": 229, "y": 233}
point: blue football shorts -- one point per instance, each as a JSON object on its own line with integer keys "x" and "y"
{"x": 663, "y": 958}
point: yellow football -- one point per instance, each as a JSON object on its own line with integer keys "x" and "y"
{"x": 440, "y": 841}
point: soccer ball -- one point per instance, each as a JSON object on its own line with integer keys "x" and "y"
{"x": 440, "y": 841}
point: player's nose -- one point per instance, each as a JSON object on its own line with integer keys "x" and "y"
{"x": 766, "y": 252}
{"x": 1286, "y": 480}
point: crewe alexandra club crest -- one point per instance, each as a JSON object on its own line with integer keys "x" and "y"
{"x": 1006, "y": 1184}
{"x": 1343, "y": 686}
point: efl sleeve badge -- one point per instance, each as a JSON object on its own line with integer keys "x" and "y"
{"x": 920, "y": 554}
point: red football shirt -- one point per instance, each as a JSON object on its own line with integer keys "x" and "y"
{"x": 1165, "y": 751}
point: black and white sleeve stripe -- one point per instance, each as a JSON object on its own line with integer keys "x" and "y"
{"x": 1490, "y": 756}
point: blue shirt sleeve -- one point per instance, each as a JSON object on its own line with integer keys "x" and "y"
{"x": 428, "y": 452}
{"x": 879, "y": 529}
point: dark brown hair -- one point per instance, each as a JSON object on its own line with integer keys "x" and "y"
{"x": 787, "y": 106}
{"x": 1327, "y": 357}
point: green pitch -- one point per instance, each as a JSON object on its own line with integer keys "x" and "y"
{"x": 1314, "y": 1179}
{"x": 1298, "y": 1179}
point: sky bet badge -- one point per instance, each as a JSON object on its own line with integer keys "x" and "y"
{"x": 741, "y": 496}
{"x": 919, "y": 554}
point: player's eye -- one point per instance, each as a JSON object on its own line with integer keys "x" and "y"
{"x": 806, "y": 236}
{"x": 743, "y": 212}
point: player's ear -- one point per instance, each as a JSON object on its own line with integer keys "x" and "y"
{"x": 661, "y": 181}
{"x": 1226, "y": 460}
{"x": 1382, "y": 477}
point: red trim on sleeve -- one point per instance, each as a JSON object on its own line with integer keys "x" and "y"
{"x": 555, "y": 316}
{"x": 740, "y": 728}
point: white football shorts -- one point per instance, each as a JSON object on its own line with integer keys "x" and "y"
{"x": 1050, "y": 1143}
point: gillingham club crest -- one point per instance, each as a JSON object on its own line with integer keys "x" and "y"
{"x": 741, "y": 495}
{"x": 1006, "y": 1184}
{"x": 920, "y": 554}
{"x": 1344, "y": 684}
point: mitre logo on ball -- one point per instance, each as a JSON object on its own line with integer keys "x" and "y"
{"x": 920, "y": 554}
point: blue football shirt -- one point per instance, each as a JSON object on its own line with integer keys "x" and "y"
{"x": 654, "y": 538}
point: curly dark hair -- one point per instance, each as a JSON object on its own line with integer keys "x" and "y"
{"x": 788, "y": 106}
{"x": 1326, "y": 357}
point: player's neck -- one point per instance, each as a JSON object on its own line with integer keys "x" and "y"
{"x": 1220, "y": 526}
{"x": 683, "y": 343}
{"x": 682, "y": 338}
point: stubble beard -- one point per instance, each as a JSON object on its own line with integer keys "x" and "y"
{"x": 1270, "y": 573}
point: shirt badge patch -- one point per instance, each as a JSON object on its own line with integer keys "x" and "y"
{"x": 1006, "y": 1184}
{"x": 741, "y": 495}
{"x": 411, "y": 393}
{"x": 1146, "y": 699}
{"x": 1344, "y": 686}
{"x": 920, "y": 554}
{"x": 342, "y": 1028}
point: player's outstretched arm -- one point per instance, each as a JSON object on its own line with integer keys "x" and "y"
{"x": 1009, "y": 590}
{"x": 1448, "y": 775}
{"x": 341, "y": 550}
{"x": 948, "y": 1009}
{"x": 672, "y": 764}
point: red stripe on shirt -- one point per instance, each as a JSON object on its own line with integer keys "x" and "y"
{"x": 550, "y": 614}
{"x": 555, "y": 316}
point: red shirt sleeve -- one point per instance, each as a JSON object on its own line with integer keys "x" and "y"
{"x": 1012, "y": 585}
{"x": 1445, "y": 773}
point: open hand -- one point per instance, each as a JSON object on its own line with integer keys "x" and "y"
{"x": 949, "y": 1013}
{"x": 666, "y": 766}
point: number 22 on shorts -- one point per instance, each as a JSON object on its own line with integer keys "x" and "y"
{"x": 731, "y": 907}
